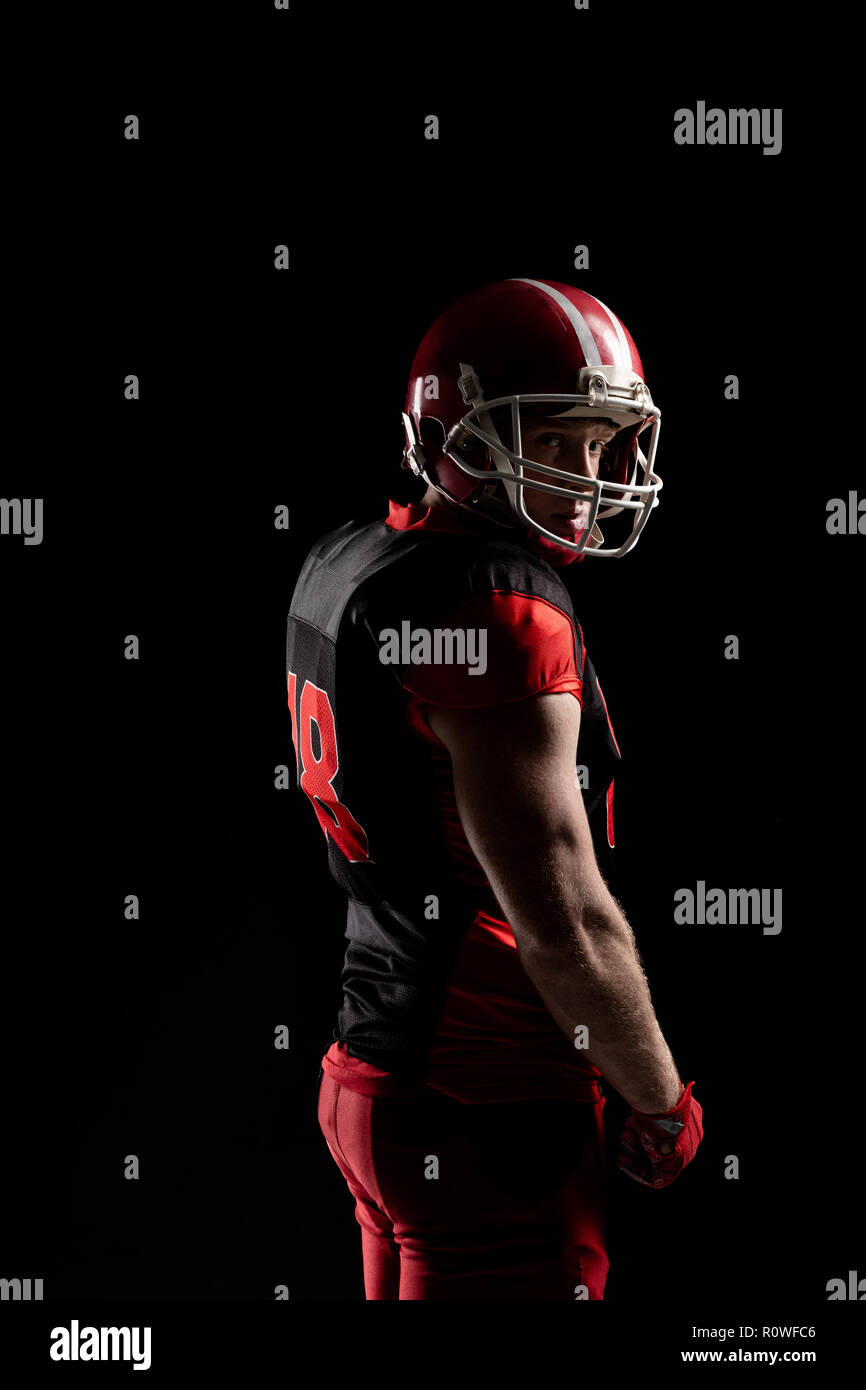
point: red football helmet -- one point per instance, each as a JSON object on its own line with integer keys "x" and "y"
{"x": 518, "y": 343}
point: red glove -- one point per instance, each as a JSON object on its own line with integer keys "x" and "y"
{"x": 654, "y": 1149}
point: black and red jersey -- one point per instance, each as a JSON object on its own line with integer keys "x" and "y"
{"x": 434, "y": 996}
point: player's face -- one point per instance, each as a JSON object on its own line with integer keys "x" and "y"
{"x": 575, "y": 446}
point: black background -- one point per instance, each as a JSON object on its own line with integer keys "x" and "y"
{"x": 261, "y": 388}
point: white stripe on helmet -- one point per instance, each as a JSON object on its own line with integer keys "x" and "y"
{"x": 588, "y": 345}
{"x": 620, "y": 336}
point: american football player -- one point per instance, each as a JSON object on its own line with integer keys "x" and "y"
{"x": 454, "y": 741}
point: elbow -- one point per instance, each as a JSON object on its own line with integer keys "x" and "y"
{"x": 575, "y": 932}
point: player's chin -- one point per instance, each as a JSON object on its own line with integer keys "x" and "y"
{"x": 569, "y": 529}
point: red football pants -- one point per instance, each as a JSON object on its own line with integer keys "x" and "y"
{"x": 472, "y": 1201}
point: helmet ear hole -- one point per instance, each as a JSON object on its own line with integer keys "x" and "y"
{"x": 456, "y": 484}
{"x": 432, "y": 439}
{"x": 473, "y": 450}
